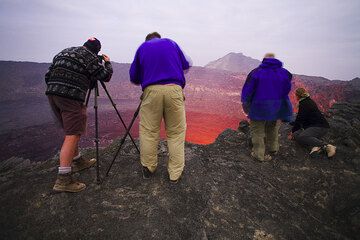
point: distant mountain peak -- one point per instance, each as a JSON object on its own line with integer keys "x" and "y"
{"x": 234, "y": 62}
{"x": 234, "y": 53}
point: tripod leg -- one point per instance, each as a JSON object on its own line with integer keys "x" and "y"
{"x": 122, "y": 121}
{"x": 123, "y": 139}
{"x": 97, "y": 134}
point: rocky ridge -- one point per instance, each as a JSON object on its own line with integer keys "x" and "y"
{"x": 224, "y": 194}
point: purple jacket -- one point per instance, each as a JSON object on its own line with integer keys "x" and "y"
{"x": 158, "y": 61}
{"x": 265, "y": 92}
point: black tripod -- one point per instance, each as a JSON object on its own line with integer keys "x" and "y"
{"x": 125, "y": 135}
{"x": 96, "y": 140}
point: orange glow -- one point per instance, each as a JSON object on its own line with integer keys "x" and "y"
{"x": 203, "y": 128}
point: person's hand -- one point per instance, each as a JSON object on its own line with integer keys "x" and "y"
{"x": 290, "y": 136}
{"x": 106, "y": 58}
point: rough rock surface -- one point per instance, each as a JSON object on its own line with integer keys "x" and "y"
{"x": 224, "y": 194}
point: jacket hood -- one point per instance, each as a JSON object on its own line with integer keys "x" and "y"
{"x": 271, "y": 63}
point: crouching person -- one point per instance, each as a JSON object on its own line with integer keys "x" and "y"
{"x": 310, "y": 125}
{"x": 68, "y": 80}
{"x": 159, "y": 66}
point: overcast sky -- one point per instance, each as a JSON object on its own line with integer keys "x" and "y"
{"x": 317, "y": 37}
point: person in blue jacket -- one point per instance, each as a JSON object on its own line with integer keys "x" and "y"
{"x": 266, "y": 102}
{"x": 159, "y": 66}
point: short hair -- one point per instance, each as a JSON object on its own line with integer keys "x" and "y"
{"x": 152, "y": 35}
{"x": 269, "y": 55}
{"x": 301, "y": 93}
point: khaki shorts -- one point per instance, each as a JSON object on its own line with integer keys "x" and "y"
{"x": 71, "y": 114}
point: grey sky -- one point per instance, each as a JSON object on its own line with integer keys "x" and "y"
{"x": 319, "y": 38}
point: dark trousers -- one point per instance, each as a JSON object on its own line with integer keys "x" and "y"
{"x": 310, "y": 137}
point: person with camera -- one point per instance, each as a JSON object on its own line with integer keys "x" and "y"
{"x": 159, "y": 66}
{"x": 265, "y": 99}
{"x": 71, "y": 74}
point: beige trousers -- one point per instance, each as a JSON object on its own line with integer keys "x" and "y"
{"x": 163, "y": 101}
{"x": 261, "y": 130}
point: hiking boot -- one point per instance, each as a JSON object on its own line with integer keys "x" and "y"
{"x": 65, "y": 183}
{"x": 146, "y": 173}
{"x": 81, "y": 164}
{"x": 175, "y": 181}
{"x": 267, "y": 157}
{"x": 315, "y": 151}
{"x": 330, "y": 150}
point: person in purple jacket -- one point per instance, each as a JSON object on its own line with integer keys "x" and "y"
{"x": 158, "y": 67}
{"x": 265, "y": 99}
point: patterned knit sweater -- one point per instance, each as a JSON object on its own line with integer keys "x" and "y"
{"x": 72, "y": 72}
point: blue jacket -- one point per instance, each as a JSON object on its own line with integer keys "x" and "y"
{"x": 265, "y": 93}
{"x": 158, "y": 61}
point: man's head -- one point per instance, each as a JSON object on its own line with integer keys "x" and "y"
{"x": 93, "y": 45}
{"x": 152, "y": 36}
{"x": 269, "y": 55}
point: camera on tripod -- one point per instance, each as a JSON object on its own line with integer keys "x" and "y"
{"x": 94, "y": 81}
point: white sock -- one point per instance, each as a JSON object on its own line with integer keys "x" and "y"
{"x": 64, "y": 170}
{"x": 77, "y": 157}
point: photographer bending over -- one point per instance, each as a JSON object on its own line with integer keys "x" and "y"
{"x": 159, "y": 66}
{"x": 68, "y": 80}
{"x": 310, "y": 125}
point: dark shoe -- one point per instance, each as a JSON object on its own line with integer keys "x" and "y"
{"x": 175, "y": 181}
{"x": 65, "y": 183}
{"x": 273, "y": 153}
{"x": 146, "y": 173}
{"x": 81, "y": 164}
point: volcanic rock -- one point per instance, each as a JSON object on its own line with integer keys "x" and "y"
{"x": 223, "y": 194}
